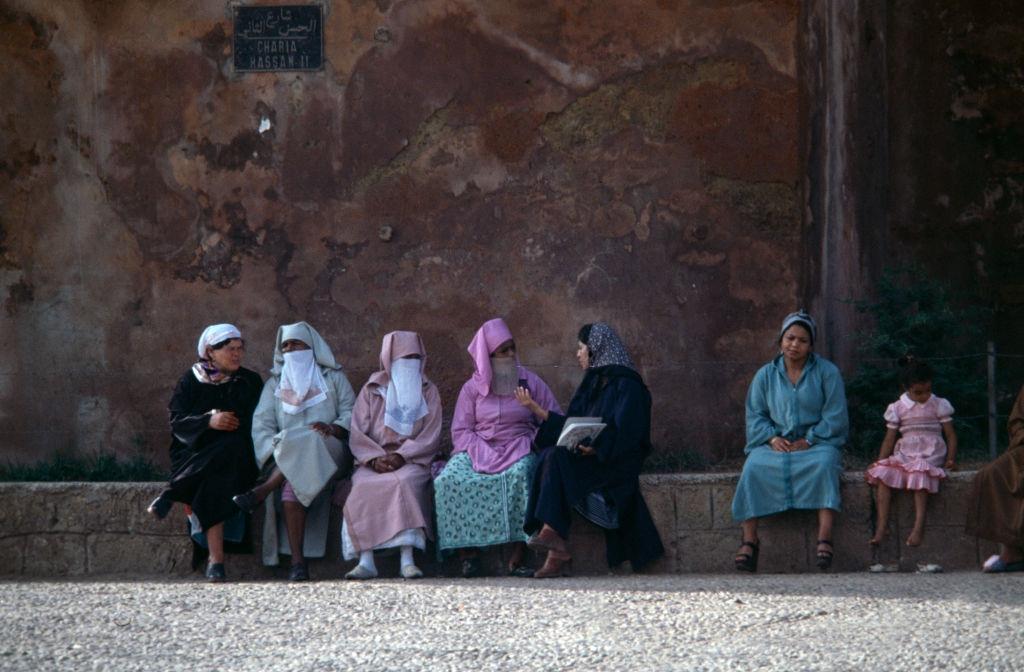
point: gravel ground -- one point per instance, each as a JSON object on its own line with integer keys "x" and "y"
{"x": 959, "y": 621}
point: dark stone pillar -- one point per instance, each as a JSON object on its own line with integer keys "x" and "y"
{"x": 845, "y": 154}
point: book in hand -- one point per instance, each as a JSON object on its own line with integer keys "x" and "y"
{"x": 579, "y": 430}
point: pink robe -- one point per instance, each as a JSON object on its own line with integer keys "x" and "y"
{"x": 382, "y": 505}
{"x": 496, "y": 431}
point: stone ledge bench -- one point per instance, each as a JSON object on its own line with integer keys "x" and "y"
{"x": 84, "y": 529}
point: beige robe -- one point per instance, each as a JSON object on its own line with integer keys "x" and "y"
{"x": 382, "y": 505}
{"x": 308, "y": 460}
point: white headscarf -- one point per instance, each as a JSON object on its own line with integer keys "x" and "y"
{"x": 214, "y": 334}
{"x": 403, "y": 401}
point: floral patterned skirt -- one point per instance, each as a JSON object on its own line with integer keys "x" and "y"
{"x": 481, "y": 509}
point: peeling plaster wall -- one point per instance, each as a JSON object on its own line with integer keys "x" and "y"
{"x": 551, "y": 162}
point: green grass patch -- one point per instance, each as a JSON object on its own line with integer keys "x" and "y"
{"x": 92, "y": 467}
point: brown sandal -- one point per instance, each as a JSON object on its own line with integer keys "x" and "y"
{"x": 824, "y": 558}
{"x": 747, "y": 562}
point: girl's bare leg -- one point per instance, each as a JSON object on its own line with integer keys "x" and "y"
{"x": 920, "y": 508}
{"x": 883, "y": 498}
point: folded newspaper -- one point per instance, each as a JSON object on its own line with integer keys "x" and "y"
{"x": 577, "y": 430}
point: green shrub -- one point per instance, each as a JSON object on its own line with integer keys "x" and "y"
{"x": 93, "y": 467}
{"x": 916, "y": 314}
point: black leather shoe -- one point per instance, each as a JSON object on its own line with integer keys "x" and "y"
{"x": 247, "y": 501}
{"x": 472, "y": 567}
{"x": 215, "y": 572}
{"x": 160, "y": 506}
{"x": 298, "y": 573}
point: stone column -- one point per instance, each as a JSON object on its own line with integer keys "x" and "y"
{"x": 845, "y": 154}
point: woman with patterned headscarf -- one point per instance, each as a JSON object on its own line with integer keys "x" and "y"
{"x": 481, "y": 494}
{"x": 396, "y": 425}
{"x": 211, "y": 441}
{"x": 300, "y": 430}
{"x": 609, "y": 468}
{"x": 796, "y": 426}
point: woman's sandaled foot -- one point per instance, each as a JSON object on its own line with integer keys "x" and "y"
{"x": 556, "y": 564}
{"x": 824, "y": 556}
{"x": 517, "y": 558}
{"x": 411, "y": 572}
{"x": 472, "y": 567}
{"x": 361, "y": 573}
{"x": 161, "y": 506}
{"x": 998, "y": 565}
{"x": 746, "y": 561}
{"x": 248, "y": 501}
{"x": 877, "y": 539}
{"x": 915, "y": 538}
{"x": 547, "y": 540}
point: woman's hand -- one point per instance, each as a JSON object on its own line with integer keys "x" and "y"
{"x": 585, "y": 450}
{"x": 225, "y": 421}
{"x": 387, "y": 463}
{"x": 799, "y": 444}
{"x": 950, "y": 465}
{"x": 524, "y": 398}
{"x": 323, "y": 429}
{"x": 780, "y": 445}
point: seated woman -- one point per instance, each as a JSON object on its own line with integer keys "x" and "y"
{"x": 796, "y": 426}
{"x": 300, "y": 430}
{"x": 211, "y": 440}
{"x": 995, "y": 510}
{"x": 614, "y": 391}
{"x": 396, "y": 424}
{"x": 481, "y": 494}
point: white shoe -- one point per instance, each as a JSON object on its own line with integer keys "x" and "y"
{"x": 360, "y": 573}
{"x": 411, "y": 572}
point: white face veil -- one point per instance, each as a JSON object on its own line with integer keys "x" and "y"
{"x": 403, "y": 401}
{"x": 301, "y": 384}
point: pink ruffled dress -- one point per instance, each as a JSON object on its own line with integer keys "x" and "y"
{"x": 916, "y": 463}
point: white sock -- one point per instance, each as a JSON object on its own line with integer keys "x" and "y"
{"x": 407, "y": 556}
{"x": 366, "y": 561}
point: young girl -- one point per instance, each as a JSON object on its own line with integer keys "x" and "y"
{"x": 921, "y": 419}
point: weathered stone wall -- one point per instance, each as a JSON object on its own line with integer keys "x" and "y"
{"x": 551, "y": 162}
{"x": 75, "y": 529}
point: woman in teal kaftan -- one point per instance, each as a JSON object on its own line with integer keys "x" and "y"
{"x": 796, "y": 426}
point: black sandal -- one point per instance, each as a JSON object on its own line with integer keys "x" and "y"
{"x": 747, "y": 562}
{"x": 825, "y": 557}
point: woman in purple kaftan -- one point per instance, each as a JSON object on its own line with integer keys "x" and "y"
{"x": 481, "y": 495}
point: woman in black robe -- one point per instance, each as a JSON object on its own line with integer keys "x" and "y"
{"x": 566, "y": 477}
{"x": 212, "y": 456}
